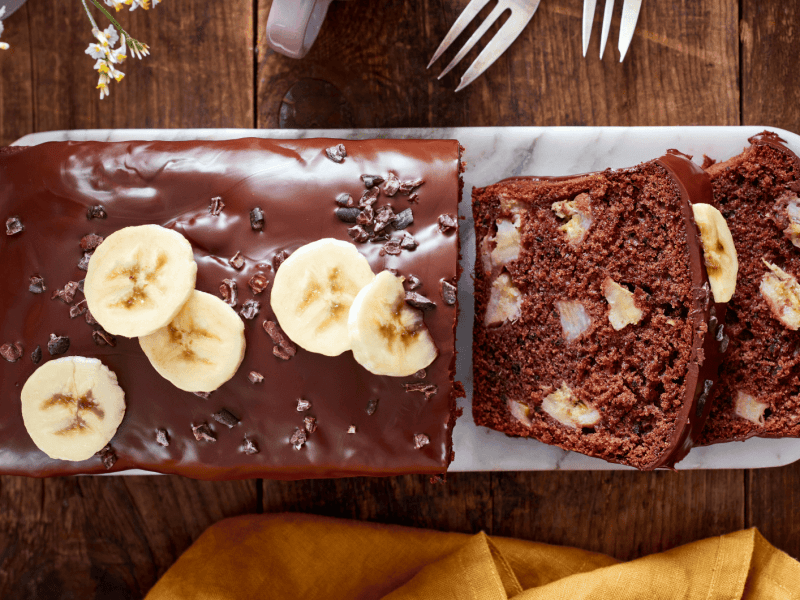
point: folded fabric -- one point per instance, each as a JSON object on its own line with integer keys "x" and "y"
{"x": 304, "y": 556}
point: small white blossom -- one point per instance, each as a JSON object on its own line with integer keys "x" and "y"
{"x": 102, "y": 85}
{"x": 3, "y": 45}
{"x": 116, "y": 4}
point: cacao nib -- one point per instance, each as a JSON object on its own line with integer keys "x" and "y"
{"x": 57, "y": 344}
{"x": 278, "y": 259}
{"x": 81, "y": 283}
{"x": 237, "y": 262}
{"x": 347, "y": 215}
{"x": 249, "y": 446}
{"x": 366, "y": 216}
{"x": 205, "y": 395}
{"x": 11, "y": 352}
{"x": 372, "y": 180}
{"x": 216, "y": 206}
{"x": 421, "y": 374}
{"x": 255, "y": 377}
{"x": 108, "y": 456}
{"x": 392, "y": 185}
{"x": 14, "y": 226}
{"x": 250, "y": 309}
{"x": 283, "y": 353}
{"x": 298, "y": 438}
{"x": 351, "y": 429}
{"x": 257, "y": 219}
{"x": 369, "y": 197}
{"x": 96, "y": 212}
{"x": 303, "y": 404}
{"x": 203, "y": 433}
{"x": 409, "y": 186}
{"x": 420, "y": 440}
{"x": 407, "y": 242}
{"x": 36, "y": 355}
{"x": 91, "y": 241}
{"x": 384, "y": 216}
{"x": 358, "y": 233}
{"x": 413, "y": 199}
{"x": 345, "y": 200}
{"x": 336, "y": 153}
{"x": 404, "y": 219}
{"x": 449, "y": 292}
{"x": 36, "y": 284}
{"x": 226, "y": 418}
{"x": 83, "y": 263}
{"x": 311, "y": 424}
{"x": 258, "y": 283}
{"x": 78, "y": 309}
{"x": 372, "y": 406}
{"x": 447, "y": 222}
{"x": 428, "y": 389}
{"x": 229, "y": 292}
{"x": 162, "y": 438}
{"x": 419, "y": 301}
{"x": 413, "y": 282}
{"x": 391, "y": 247}
{"x": 284, "y": 349}
{"x": 102, "y": 338}
{"x": 89, "y": 318}
{"x": 67, "y": 295}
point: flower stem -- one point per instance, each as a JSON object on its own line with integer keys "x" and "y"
{"x": 110, "y": 18}
{"x": 132, "y": 43}
{"x": 91, "y": 18}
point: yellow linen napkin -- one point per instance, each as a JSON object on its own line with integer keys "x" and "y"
{"x": 304, "y": 556}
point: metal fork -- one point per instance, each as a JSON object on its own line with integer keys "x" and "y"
{"x": 630, "y": 15}
{"x": 522, "y": 12}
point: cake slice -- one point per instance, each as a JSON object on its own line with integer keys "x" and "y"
{"x": 595, "y": 325}
{"x": 758, "y": 191}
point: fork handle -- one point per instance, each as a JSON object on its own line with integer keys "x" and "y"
{"x": 293, "y": 25}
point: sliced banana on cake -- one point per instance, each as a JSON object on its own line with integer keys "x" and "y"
{"x": 313, "y": 291}
{"x": 139, "y": 278}
{"x": 201, "y": 348}
{"x": 721, "y": 260}
{"x": 72, "y": 407}
{"x": 389, "y": 337}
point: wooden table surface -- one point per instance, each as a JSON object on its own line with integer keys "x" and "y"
{"x": 692, "y": 62}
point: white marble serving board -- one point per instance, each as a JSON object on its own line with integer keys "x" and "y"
{"x": 493, "y": 153}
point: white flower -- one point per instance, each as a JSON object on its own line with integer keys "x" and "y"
{"x": 96, "y": 51}
{"x": 121, "y": 53}
{"x": 115, "y": 73}
{"x": 102, "y": 85}
{"x": 111, "y": 35}
{"x": 117, "y": 4}
{"x": 3, "y": 45}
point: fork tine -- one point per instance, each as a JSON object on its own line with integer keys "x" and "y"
{"x": 589, "y": 7}
{"x": 464, "y": 19}
{"x": 609, "y": 11}
{"x": 493, "y": 16}
{"x": 630, "y": 14}
{"x": 499, "y": 44}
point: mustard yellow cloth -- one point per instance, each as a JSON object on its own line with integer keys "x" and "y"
{"x": 307, "y": 557}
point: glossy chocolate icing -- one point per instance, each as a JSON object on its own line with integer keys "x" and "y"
{"x": 49, "y": 187}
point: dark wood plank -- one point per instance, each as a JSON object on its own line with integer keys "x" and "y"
{"x": 16, "y": 87}
{"x": 771, "y": 96}
{"x": 104, "y": 537}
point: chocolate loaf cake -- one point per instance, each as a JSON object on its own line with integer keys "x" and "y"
{"x": 758, "y": 191}
{"x": 245, "y": 206}
{"x": 595, "y": 326}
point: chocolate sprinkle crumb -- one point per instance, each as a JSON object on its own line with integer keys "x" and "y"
{"x": 358, "y": 233}
{"x": 204, "y": 395}
{"x": 372, "y": 406}
{"x": 413, "y": 282}
{"x": 255, "y": 377}
{"x": 404, "y": 219}
{"x": 347, "y": 215}
{"x": 428, "y": 389}
{"x": 391, "y": 247}
{"x": 408, "y": 242}
{"x": 250, "y": 309}
{"x": 91, "y": 241}
{"x": 370, "y": 197}
{"x": 420, "y": 440}
{"x": 14, "y": 226}
{"x": 311, "y": 424}
{"x": 237, "y": 262}
{"x": 298, "y": 438}
{"x": 345, "y": 200}
{"x": 102, "y": 338}
{"x": 384, "y": 216}
{"x": 366, "y": 216}
{"x": 413, "y": 199}
{"x": 278, "y": 259}
{"x": 257, "y": 219}
{"x": 419, "y": 301}
{"x": 108, "y": 456}
{"x": 226, "y": 418}
{"x": 351, "y": 429}
{"x": 57, "y": 344}
{"x": 67, "y": 294}
{"x": 78, "y": 309}
{"x": 258, "y": 283}
{"x": 203, "y": 433}
{"x": 83, "y": 263}
{"x": 36, "y": 355}
{"x": 249, "y": 446}
{"x": 11, "y": 352}
{"x": 372, "y": 180}
{"x": 36, "y": 284}
{"x": 162, "y": 438}
{"x": 96, "y": 212}
{"x": 448, "y": 293}
{"x": 392, "y": 185}
{"x": 421, "y": 374}
{"x": 447, "y": 222}
{"x": 336, "y": 153}
{"x": 409, "y": 186}
{"x": 303, "y": 404}
{"x": 229, "y": 292}
{"x": 284, "y": 349}
{"x": 216, "y": 206}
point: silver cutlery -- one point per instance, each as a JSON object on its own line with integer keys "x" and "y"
{"x": 630, "y": 15}
{"x": 522, "y": 12}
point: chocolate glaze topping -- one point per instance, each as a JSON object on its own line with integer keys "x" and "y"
{"x": 51, "y": 187}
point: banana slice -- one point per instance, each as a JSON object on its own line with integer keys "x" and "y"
{"x": 721, "y": 260}
{"x": 388, "y": 336}
{"x": 201, "y": 348}
{"x": 313, "y": 291}
{"x": 139, "y": 278}
{"x": 72, "y": 407}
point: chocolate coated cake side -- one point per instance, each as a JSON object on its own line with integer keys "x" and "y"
{"x": 594, "y": 322}
{"x": 263, "y": 199}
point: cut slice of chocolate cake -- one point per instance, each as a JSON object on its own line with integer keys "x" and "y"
{"x": 758, "y": 191}
{"x": 595, "y": 325}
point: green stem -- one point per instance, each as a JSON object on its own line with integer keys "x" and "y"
{"x": 91, "y": 18}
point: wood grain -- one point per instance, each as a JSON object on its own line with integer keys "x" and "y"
{"x": 16, "y": 86}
